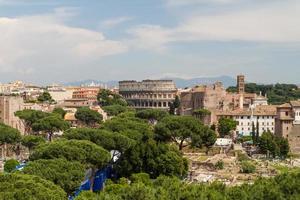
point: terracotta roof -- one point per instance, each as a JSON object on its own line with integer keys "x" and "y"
{"x": 263, "y": 110}
{"x": 286, "y": 105}
{"x": 295, "y": 103}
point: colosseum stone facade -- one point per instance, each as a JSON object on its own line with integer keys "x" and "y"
{"x": 148, "y": 93}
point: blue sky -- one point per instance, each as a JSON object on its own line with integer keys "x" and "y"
{"x": 46, "y": 41}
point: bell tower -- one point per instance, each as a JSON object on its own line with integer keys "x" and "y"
{"x": 241, "y": 84}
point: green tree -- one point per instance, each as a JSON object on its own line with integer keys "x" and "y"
{"x": 257, "y": 132}
{"x": 131, "y": 127}
{"x": 277, "y": 94}
{"x": 10, "y": 165}
{"x": 174, "y": 106}
{"x": 85, "y": 152}
{"x": 107, "y": 98}
{"x": 209, "y": 138}
{"x": 114, "y": 110}
{"x": 152, "y": 115}
{"x": 88, "y": 117}
{"x": 32, "y": 141}
{"x": 111, "y": 141}
{"x": 45, "y": 97}
{"x": 8, "y": 135}
{"x": 23, "y": 187}
{"x": 182, "y": 130}
{"x": 152, "y": 158}
{"x": 50, "y": 125}
{"x": 283, "y": 145}
{"x": 225, "y": 126}
{"x": 66, "y": 174}
{"x": 253, "y": 134}
{"x": 61, "y": 112}
{"x": 276, "y": 146}
{"x": 267, "y": 144}
{"x": 29, "y": 117}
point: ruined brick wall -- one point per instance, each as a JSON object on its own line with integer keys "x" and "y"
{"x": 294, "y": 139}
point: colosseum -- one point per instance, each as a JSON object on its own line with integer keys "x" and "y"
{"x": 148, "y": 93}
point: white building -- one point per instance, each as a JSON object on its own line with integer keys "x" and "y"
{"x": 263, "y": 115}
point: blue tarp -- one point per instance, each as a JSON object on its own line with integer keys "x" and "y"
{"x": 99, "y": 180}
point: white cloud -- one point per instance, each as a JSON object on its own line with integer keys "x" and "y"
{"x": 35, "y": 44}
{"x": 270, "y": 23}
{"x": 116, "y": 21}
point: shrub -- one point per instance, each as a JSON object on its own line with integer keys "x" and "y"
{"x": 242, "y": 157}
{"x": 10, "y": 165}
{"x": 247, "y": 167}
{"x": 219, "y": 165}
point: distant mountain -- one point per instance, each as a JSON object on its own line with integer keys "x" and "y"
{"x": 180, "y": 82}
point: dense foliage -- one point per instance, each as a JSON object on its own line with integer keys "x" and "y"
{"x": 184, "y": 131}
{"x": 61, "y": 112}
{"x": 152, "y": 115}
{"x": 273, "y": 146}
{"x": 9, "y": 135}
{"x": 277, "y": 94}
{"x": 225, "y": 126}
{"x": 104, "y": 138}
{"x": 108, "y": 98}
{"x": 25, "y": 187}
{"x": 129, "y": 126}
{"x": 146, "y": 155}
{"x": 49, "y": 125}
{"x": 285, "y": 186}
{"x": 66, "y": 174}
{"x": 88, "y": 117}
{"x": 45, "y": 97}
{"x": 73, "y": 150}
{"x": 153, "y": 158}
{"x": 10, "y": 165}
{"x": 30, "y": 117}
{"x": 174, "y": 106}
{"x": 32, "y": 141}
{"x": 114, "y": 110}
{"x": 247, "y": 167}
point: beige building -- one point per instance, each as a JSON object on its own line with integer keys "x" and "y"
{"x": 288, "y": 124}
{"x": 8, "y": 106}
{"x": 148, "y": 93}
{"x": 215, "y": 98}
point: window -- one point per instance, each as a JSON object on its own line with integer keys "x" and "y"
{"x": 286, "y": 113}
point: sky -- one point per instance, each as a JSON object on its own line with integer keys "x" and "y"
{"x": 57, "y": 41}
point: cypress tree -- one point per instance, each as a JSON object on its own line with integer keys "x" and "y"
{"x": 253, "y": 133}
{"x": 257, "y": 132}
